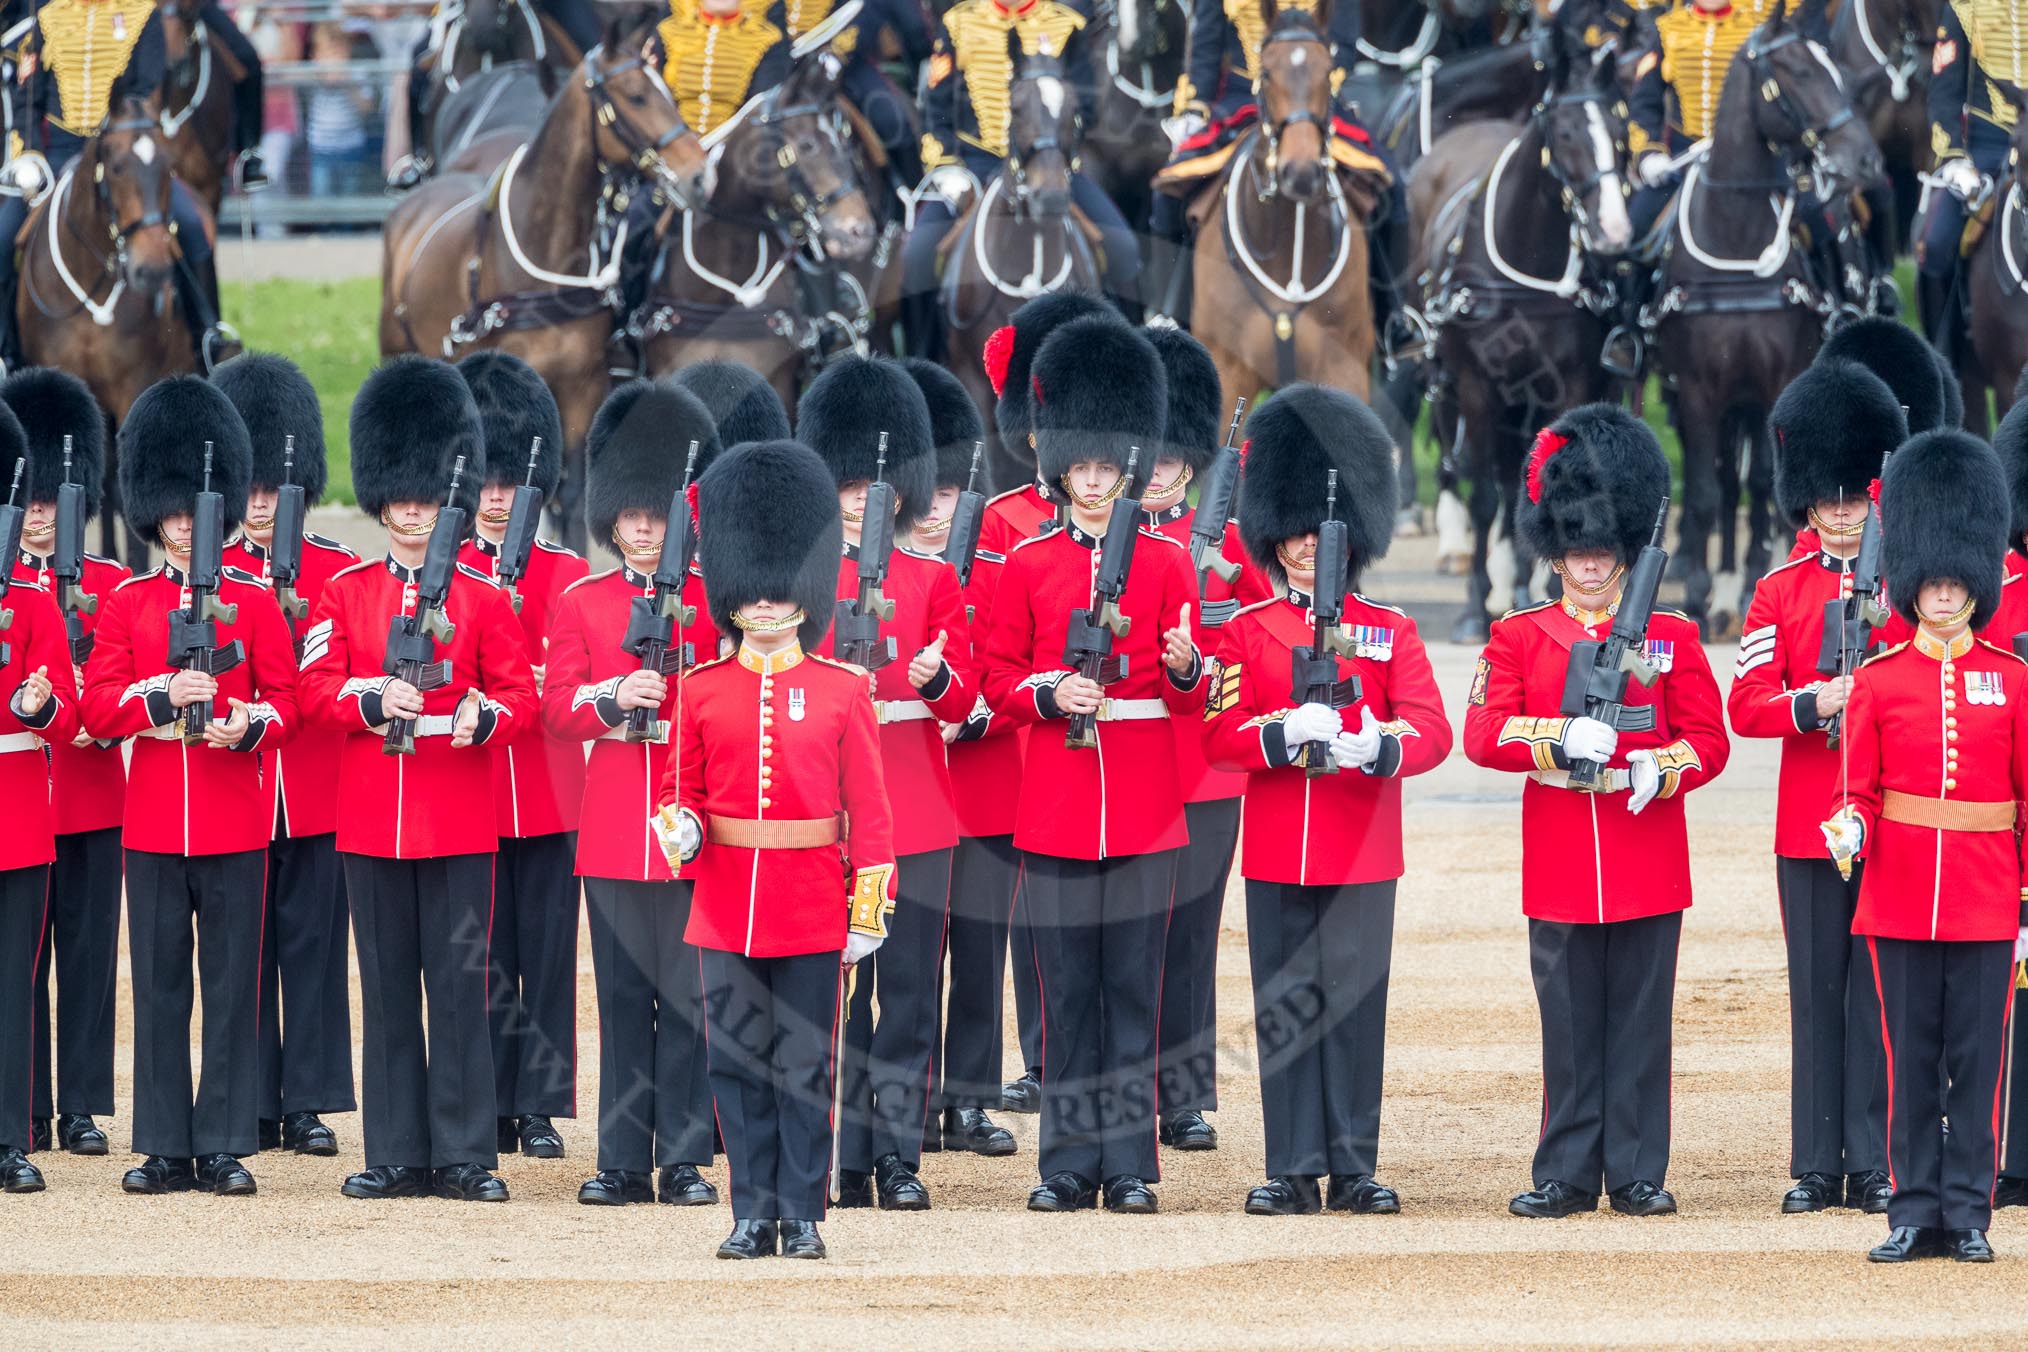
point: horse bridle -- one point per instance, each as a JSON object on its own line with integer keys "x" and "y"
{"x": 1271, "y": 132}
{"x": 1017, "y": 157}
{"x": 1573, "y": 192}
{"x": 1811, "y": 137}
{"x": 801, "y": 218}
{"x": 117, "y": 231}
{"x": 645, "y": 153}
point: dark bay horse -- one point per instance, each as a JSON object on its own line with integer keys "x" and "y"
{"x": 1995, "y": 279}
{"x": 1521, "y": 227}
{"x": 1884, "y": 49}
{"x": 1736, "y": 317}
{"x": 196, "y": 99}
{"x": 96, "y": 294}
{"x": 1139, "y": 59}
{"x": 529, "y": 260}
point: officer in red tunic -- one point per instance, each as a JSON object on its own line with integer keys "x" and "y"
{"x": 306, "y": 1002}
{"x": 774, "y": 807}
{"x": 1323, "y": 851}
{"x": 654, "y": 1097}
{"x": 842, "y": 417}
{"x": 1605, "y": 875}
{"x": 2010, "y": 442}
{"x": 196, "y": 832}
{"x": 1937, "y": 733}
{"x": 1833, "y": 427}
{"x": 38, "y": 707}
{"x": 742, "y": 403}
{"x": 88, "y": 781}
{"x": 538, "y": 782}
{"x": 985, "y": 765}
{"x": 417, "y": 833}
{"x": 1099, "y": 827}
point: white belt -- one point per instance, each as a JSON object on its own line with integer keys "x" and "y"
{"x": 1609, "y": 781}
{"x": 901, "y": 710}
{"x": 1130, "y": 710}
{"x": 429, "y": 725}
{"x": 19, "y": 741}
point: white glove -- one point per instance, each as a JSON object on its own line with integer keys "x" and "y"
{"x": 1182, "y": 127}
{"x": 1589, "y": 739}
{"x": 1311, "y": 723}
{"x": 1647, "y": 779}
{"x": 950, "y": 182}
{"x": 1358, "y": 750}
{"x": 2021, "y": 945}
{"x": 1844, "y": 836}
{"x": 27, "y": 173}
{"x": 859, "y": 947}
{"x": 1961, "y": 176}
{"x": 1653, "y": 169}
{"x": 678, "y": 835}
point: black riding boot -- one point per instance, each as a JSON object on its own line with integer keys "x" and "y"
{"x": 247, "y": 126}
{"x": 411, "y": 169}
{"x": 197, "y": 293}
{"x": 1168, "y": 272}
{"x": 1402, "y": 331}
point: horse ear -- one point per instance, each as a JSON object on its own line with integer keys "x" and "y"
{"x": 615, "y": 34}
{"x": 1268, "y": 11}
{"x": 1779, "y": 19}
{"x": 1014, "y": 52}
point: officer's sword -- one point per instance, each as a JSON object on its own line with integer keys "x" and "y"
{"x": 848, "y": 980}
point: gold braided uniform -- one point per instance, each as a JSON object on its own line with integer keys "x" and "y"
{"x": 973, "y": 44}
{"x": 1996, "y": 32}
{"x": 711, "y": 62}
{"x": 86, "y": 47}
{"x": 1696, "y": 47}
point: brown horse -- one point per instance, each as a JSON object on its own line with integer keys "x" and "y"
{"x": 529, "y": 261}
{"x": 96, "y": 294}
{"x": 197, "y": 101}
{"x": 1995, "y": 279}
{"x": 759, "y": 273}
{"x": 1283, "y": 265}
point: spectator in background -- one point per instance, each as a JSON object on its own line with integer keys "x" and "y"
{"x": 336, "y": 118}
{"x": 277, "y": 42}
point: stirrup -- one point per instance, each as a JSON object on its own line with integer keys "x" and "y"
{"x": 1623, "y": 353}
{"x": 251, "y": 171}
{"x": 1884, "y": 297}
{"x": 219, "y": 344}
{"x": 1406, "y": 337}
{"x": 408, "y": 172}
{"x": 1158, "y": 320}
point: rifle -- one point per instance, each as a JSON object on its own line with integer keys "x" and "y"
{"x": 857, "y": 618}
{"x": 285, "y": 545}
{"x": 1313, "y": 668}
{"x": 652, "y": 620}
{"x": 522, "y": 521}
{"x": 1088, "y": 646}
{"x": 67, "y": 565}
{"x": 1214, "y": 507}
{"x": 193, "y": 632}
{"x": 961, "y": 549}
{"x": 11, "y": 519}
{"x": 412, "y": 639}
{"x": 1849, "y": 623}
{"x": 1595, "y": 682}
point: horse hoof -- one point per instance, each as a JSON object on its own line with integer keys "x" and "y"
{"x": 1471, "y": 628}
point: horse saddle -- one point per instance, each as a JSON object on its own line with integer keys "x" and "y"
{"x": 1977, "y": 223}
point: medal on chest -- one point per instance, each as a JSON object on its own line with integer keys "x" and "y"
{"x": 1373, "y": 642}
{"x": 1985, "y": 687}
{"x": 1661, "y": 653}
{"x": 796, "y": 707}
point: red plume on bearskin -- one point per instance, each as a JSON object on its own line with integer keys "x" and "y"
{"x": 1547, "y": 443}
{"x": 999, "y": 351}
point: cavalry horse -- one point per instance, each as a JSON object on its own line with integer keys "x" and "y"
{"x": 529, "y": 260}
{"x": 1281, "y": 255}
{"x": 496, "y": 45}
{"x": 488, "y": 116}
{"x": 196, "y": 102}
{"x": 97, "y": 293}
{"x": 1521, "y": 227}
{"x": 1019, "y": 237}
{"x": 1884, "y": 49}
{"x": 1995, "y": 278}
{"x": 759, "y": 271}
{"x": 1141, "y": 47}
{"x": 1736, "y": 316}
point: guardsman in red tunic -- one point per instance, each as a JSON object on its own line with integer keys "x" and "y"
{"x": 1605, "y": 874}
{"x": 654, "y": 1096}
{"x": 1099, "y": 827}
{"x": 1833, "y": 426}
{"x": 774, "y": 807}
{"x": 2009, "y": 630}
{"x": 538, "y": 783}
{"x": 417, "y": 832}
{"x": 1323, "y": 850}
{"x": 38, "y": 707}
{"x": 1937, "y": 733}
{"x": 985, "y": 765}
{"x": 88, "y": 780}
{"x": 196, "y": 832}
{"x": 742, "y": 403}
{"x": 306, "y": 1001}
{"x": 888, "y": 1053}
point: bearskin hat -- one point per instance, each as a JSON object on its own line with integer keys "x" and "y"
{"x": 51, "y": 405}
{"x": 2010, "y": 442}
{"x": 515, "y": 407}
{"x": 771, "y": 532}
{"x": 1901, "y": 357}
{"x": 162, "y": 446}
{"x": 1100, "y": 391}
{"x": 742, "y": 402}
{"x": 277, "y": 401}
{"x": 1944, "y": 513}
{"x": 1011, "y": 351}
{"x": 1192, "y": 431}
{"x": 843, "y": 413}
{"x": 955, "y": 424}
{"x": 1596, "y": 478}
{"x": 14, "y": 451}
{"x": 1953, "y": 392}
{"x": 411, "y": 421}
{"x": 1292, "y": 443}
{"x": 637, "y": 450}
{"x": 1833, "y": 426}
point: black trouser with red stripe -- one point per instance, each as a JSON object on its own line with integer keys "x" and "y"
{"x": 422, "y": 926}
{"x": 654, "y": 1088}
{"x": 1189, "y": 1076}
{"x": 81, "y": 944}
{"x": 1320, "y": 958}
{"x": 532, "y": 1008}
{"x": 210, "y": 907}
{"x": 1607, "y": 994}
{"x": 768, "y": 1032}
{"x": 1023, "y": 960}
{"x": 306, "y": 998}
{"x": 1099, "y": 927}
{"x": 1943, "y": 1004}
{"x": 24, "y": 909}
{"x": 983, "y": 874}
{"x": 887, "y": 1059}
{"x": 1837, "y": 1070}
